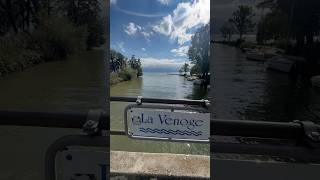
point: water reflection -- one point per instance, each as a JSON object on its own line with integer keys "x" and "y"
{"x": 75, "y": 84}
{"x": 246, "y": 90}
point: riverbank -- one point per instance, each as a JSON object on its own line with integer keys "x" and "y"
{"x": 54, "y": 39}
{"x": 243, "y": 45}
{"x": 29, "y": 59}
{"x": 15, "y": 57}
{"x": 75, "y": 84}
{"x": 22, "y": 51}
{"x": 299, "y": 65}
{"x": 246, "y": 90}
{"x": 124, "y": 75}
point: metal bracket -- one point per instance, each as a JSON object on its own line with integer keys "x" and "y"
{"x": 91, "y": 127}
{"x": 64, "y": 143}
{"x": 206, "y": 103}
{"x": 139, "y": 100}
{"x": 311, "y": 131}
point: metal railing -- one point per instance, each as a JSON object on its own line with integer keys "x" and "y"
{"x": 298, "y": 139}
{"x": 50, "y": 119}
{"x": 161, "y": 101}
{"x": 260, "y": 129}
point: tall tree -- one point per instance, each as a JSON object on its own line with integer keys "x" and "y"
{"x": 85, "y": 12}
{"x": 273, "y": 26}
{"x": 185, "y": 68}
{"x": 227, "y": 31}
{"x": 9, "y": 10}
{"x": 242, "y": 20}
{"x": 304, "y": 19}
{"x": 303, "y": 22}
{"x": 198, "y": 52}
{"x": 136, "y": 65}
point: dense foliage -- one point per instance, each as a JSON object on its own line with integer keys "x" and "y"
{"x": 198, "y": 52}
{"x": 184, "y": 69}
{"x": 242, "y": 20}
{"x": 122, "y": 68}
{"x": 45, "y": 30}
{"x": 294, "y": 23}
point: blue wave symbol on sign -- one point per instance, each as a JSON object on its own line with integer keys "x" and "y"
{"x": 170, "y": 131}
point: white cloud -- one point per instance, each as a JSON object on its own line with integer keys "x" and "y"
{"x": 147, "y": 35}
{"x": 150, "y": 62}
{"x": 131, "y": 28}
{"x": 165, "y": 26}
{"x": 181, "y": 51}
{"x": 139, "y": 13}
{"x": 113, "y": 1}
{"x": 186, "y": 16}
{"x": 121, "y": 46}
{"x": 143, "y": 49}
{"x": 164, "y": 2}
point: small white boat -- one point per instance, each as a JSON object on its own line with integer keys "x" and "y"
{"x": 191, "y": 78}
{"x": 280, "y": 63}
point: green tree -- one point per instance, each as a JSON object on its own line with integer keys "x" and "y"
{"x": 227, "y": 31}
{"x": 242, "y": 20}
{"x": 85, "y": 12}
{"x": 198, "y": 52}
{"x": 195, "y": 70}
{"x": 136, "y": 65}
{"x": 273, "y": 26}
{"x": 303, "y": 24}
{"x": 304, "y": 20}
{"x": 117, "y": 61}
{"x": 184, "y": 69}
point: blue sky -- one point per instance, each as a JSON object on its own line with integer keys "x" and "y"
{"x": 156, "y": 31}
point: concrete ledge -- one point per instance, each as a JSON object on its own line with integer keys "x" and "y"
{"x": 159, "y": 164}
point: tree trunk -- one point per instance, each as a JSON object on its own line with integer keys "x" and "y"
{"x": 9, "y": 11}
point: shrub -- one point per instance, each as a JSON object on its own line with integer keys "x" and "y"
{"x": 128, "y": 74}
{"x": 57, "y": 37}
{"x": 16, "y": 54}
{"x": 114, "y": 78}
{"x": 195, "y": 70}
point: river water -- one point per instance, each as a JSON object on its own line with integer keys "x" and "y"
{"x": 75, "y": 84}
{"x": 153, "y": 85}
{"x": 244, "y": 89}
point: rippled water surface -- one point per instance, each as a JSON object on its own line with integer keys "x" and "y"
{"x": 153, "y": 85}
{"x": 245, "y": 89}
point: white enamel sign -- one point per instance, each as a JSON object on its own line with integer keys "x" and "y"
{"x": 165, "y": 124}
